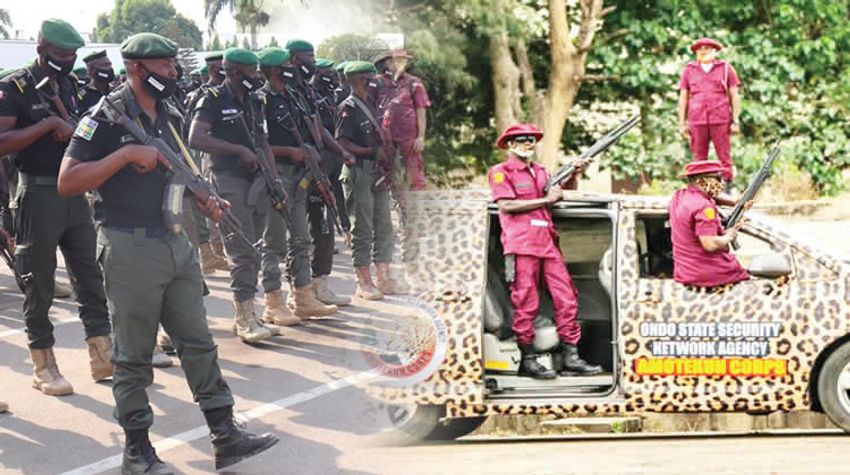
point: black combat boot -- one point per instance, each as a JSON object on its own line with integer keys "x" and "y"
{"x": 529, "y": 366}
{"x": 231, "y": 444}
{"x": 140, "y": 457}
{"x": 567, "y": 362}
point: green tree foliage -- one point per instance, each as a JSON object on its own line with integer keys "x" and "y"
{"x": 129, "y": 17}
{"x": 350, "y": 46}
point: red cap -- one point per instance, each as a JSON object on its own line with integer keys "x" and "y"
{"x": 703, "y": 167}
{"x": 706, "y": 42}
{"x": 518, "y": 130}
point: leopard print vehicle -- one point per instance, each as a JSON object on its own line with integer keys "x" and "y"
{"x": 804, "y": 316}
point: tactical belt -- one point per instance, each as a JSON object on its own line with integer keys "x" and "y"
{"x": 150, "y": 233}
{"x": 27, "y": 179}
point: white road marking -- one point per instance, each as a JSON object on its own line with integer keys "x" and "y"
{"x": 191, "y": 435}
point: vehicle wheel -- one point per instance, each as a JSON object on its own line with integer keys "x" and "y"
{"x": 410, "y": 424}
{"x": 834, "y": 387}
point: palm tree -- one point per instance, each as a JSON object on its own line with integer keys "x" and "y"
{"x": 5, "y": 22}
{"x": 249, "y": 14}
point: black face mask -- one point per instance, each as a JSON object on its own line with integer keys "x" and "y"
{"x": 288, "y": 73}
{"x": 61, "y": 68}
{"x": 328, "y": 79}
{"x": 104, "y": 75}
{"x": 160, "y": 87}
{"x": 307, "y": 70}
{"x": 251, "y": 84}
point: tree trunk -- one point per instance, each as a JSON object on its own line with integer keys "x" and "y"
{"x": 568, "y": 53}
{"x": 505, "y": 76}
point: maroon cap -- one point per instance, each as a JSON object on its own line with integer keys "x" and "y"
{"x": 703, "y": 167}
{"x": 706, "y": 42}
{"x": 518, "y": 130}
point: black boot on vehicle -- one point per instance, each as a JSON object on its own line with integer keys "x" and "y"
{"x": 569, "y": 363}
{"x": 231, "y": 444}
{"x": 529, "y": 366}
{"x": 140, "y": 457}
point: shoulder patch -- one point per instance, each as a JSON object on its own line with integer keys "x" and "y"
{"x": 709, "y": 213}
{"x": 86, "y": 128}
{"x": 498, "y": 177}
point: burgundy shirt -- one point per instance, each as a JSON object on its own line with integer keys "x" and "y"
{"x": 400, "y": 109}
{"x": 708, "y": 100}
{"x": 694, "y": 214}
{"x": 531, "y": 233}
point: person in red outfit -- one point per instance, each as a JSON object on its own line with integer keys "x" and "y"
{"x": 528, "y": 234}
{"x": 709, "y": 104}
{"x": 701, "y": 254}
{"x": 403, "y": 108}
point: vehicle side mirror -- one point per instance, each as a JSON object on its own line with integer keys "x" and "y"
{"x": 770, "y": 266}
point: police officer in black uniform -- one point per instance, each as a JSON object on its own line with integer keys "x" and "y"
{"x": 100, "y": 70}
{"x": 35, "y": 108}
{"x": 153, "y": 271}
{"x": 225, "y": 125}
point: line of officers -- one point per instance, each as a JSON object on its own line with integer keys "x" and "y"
{"x": 132, "y": 266}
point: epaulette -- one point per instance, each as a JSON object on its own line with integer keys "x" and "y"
{"x": 18, "y": 78}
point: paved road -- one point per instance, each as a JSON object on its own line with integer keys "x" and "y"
{"x": 300, "y": 386}
{"x": 750, "y": 455}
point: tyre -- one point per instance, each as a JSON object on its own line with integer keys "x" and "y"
{"x": 834, "y": 387}
{"x": 411, "y": 424}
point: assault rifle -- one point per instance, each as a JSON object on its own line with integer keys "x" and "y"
{"x": 277, "y": 192}
{"x": 323, "y": 183}
{"x": 566, "y": 172}
{"x": 61, "y": 111}
{"x": 22, "y": 280}
{"x": 184, "y": 172}
{"x": 753, "y": 188}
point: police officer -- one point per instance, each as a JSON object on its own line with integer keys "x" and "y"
{"x": 343, "y": 90}
{"x": 284, "y": 121}
{"x": 528, "y": 236}
{"x": 358, "y": 131}
{"x": 701, "y": 254}
{"x": 99, "y": 69}
{"x": 153, "y": 274}
{"x": 325, "y": 83}
{"x": 219, "y": 128}
{"x": 33, "y": 102}
{"x": 302, "y": 57}
{"x": 208, "y": 237}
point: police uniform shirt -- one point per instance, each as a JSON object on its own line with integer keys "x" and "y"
{"x": 281, "y": 119}
{"x": 20, "y": 99}
{"x": 88, "y": 99}
{"x": 129, "y": 199}
{"x": 221, "y": 108}
{"x": 353, "y": 124}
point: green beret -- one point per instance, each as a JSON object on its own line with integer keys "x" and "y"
{"x": 60, "y": 34}
{"x": 79, "y": 70}
{"x": 94, "y": 55}
{"x": 354, "y": 68}
{"x": 240, "y": 56}
{"x": 298, "y": 45}
{"x": 214, "y": 56}
{"x": 322, "y": 63}
{"x": 205, "y": 71}
{"x": 148, "y": 45}
{"x": 122, "y": 71}
{"x": 272, "y": 56}
{"x": 340, "y": 68}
